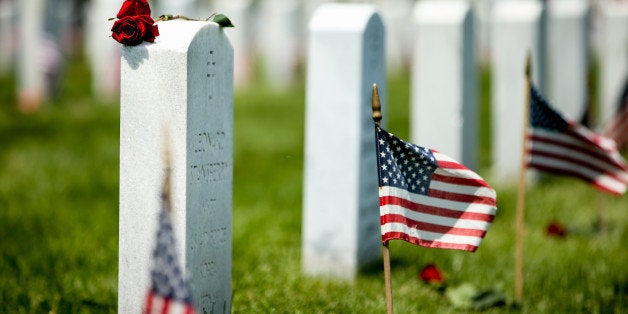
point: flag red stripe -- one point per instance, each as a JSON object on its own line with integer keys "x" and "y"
{"x": 460, "y": 181}
{"x": 429, "y": 227}
{"x": 189, "y": 309}
{"x": 590, "y": 149}
{"x": 166, "y": 306}
{"x": 149, "y": 302}
{"x": 465, "y": 198}
{"x": 425, "y": 243}
{"x": 586, "y": 164}
{"x": 432, "y": 210}
{"x": 574, "y": 174}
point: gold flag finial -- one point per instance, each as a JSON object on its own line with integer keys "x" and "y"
{"x": 376, "y": 106}
{"x": 166, "y": 193}
{"x": 528, "y": 65}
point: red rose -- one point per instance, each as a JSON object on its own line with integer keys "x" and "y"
{"x": 556, "y": 229}
{"x": 431, "y": 274}
{"x": 132, "y": 30}
{"x": 134, "y": 7}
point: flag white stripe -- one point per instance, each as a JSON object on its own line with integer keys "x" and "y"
{"x": 435, "y": 219}
{"x": 454, "y": 172}
{"x": 462, "y": 189}
{"x": 578, "y": 155}
{"x": 560, "y": 164}
{"x": 430, "y": 236}
{"x": 437, "y": 202}
{"x": 605, "y": 143}
{"x": 570, "y": 140}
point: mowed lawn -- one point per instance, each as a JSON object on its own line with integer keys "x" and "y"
{"x": 59, "y": 220}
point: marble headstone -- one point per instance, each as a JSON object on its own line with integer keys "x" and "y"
{"x": 613, "y": 54}
{"x": 181, "y": 87}
{"x": 515, "y": 34}
{"x": 341, "y": 229}
{"x": 444, "y": 97}
{"x": 568, "y": 56}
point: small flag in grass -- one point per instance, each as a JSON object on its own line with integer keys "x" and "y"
{"x": 428, "y": 199}
{"x": 169, "y": 292}
{"x": 558, "y": 145}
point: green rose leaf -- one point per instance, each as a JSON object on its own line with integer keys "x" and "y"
{"x": 222, "y": 20}
{"x": 462, "y": 296}
{"x": 467, "y": 296}
{"x": 489, "y": 298}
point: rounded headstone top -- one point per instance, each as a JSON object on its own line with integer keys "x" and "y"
{"x": 179, "y": 34}
{"x": 568, "y": 7}
{"x": 349, "y": 17}
{"x": 441, "y": 11}
{"x": 517, "y": 10}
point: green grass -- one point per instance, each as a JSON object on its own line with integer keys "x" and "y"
{"x": 59, "y": 214}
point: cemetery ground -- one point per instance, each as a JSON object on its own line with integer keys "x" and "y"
{"x": 59, "y": 219}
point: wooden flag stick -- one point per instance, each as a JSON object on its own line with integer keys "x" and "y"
{"x": 166, "y": 192}
{"x": 377, "y": 117}
{"x": 521, "y": 189}
{"x": 387, "y": 279}
{"x": 602, "y": 213}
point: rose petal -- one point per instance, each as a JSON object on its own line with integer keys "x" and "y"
{"x": 431, "y": 274}
{"x": 134, "y": 7}
{"x": 556, "y": 229}
{"x": 128, "y": 31}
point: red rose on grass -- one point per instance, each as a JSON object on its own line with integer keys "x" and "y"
{"x": 134, "y": 7}
{"x": 556, "y": 229}
{"x": 132, "y": 30}
{"x": 431, "y": 274}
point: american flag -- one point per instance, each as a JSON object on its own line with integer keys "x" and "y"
{"x": 428, "y": 199}
{"x": 562, "y": 146}
{"x": 169, "y": 292}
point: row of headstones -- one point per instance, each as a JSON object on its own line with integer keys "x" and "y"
{"x": 283, "y": 25}
{"x": 184, "y": 83}
{"x": 284, "y": 22}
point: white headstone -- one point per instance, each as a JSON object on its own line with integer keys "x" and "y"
{"x": 7, "y": 38}
{"x": 482, "y": 25}
{"x": 444, "y": 97}
{"x": 515, "y": 33}
{"x": 341, "y": 229}
{"x": 31, "y": 83}
{"x": 102, "y": 51}
{"x": 397, "y": 15}
{"x": 181, "y": 86}
{"x": 280, "y": 41}
{"x": 188, "y": 8}
{"x": 613, "y": 53}
{"x": 568, "y": 55}
{"x": 243, "y": 14}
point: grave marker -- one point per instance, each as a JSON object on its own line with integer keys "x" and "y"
{"x": 102, "y": 52}
{"x": 243, "y": 14}
{"x": 613, "y": 52}
{"x": 444, "y": 104}
{"x": 7, "y": 38}
{"x": 187, "y": 8}
{"x": 182, "y": 83}
{"x": 282, "y": 28}
{"x": 341, "y": 229}
{"x": 31, "y": 82}
{"x": 515, "y": 33}
{"x": 568, "y": 55}
{"x": 396, "y": 15}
